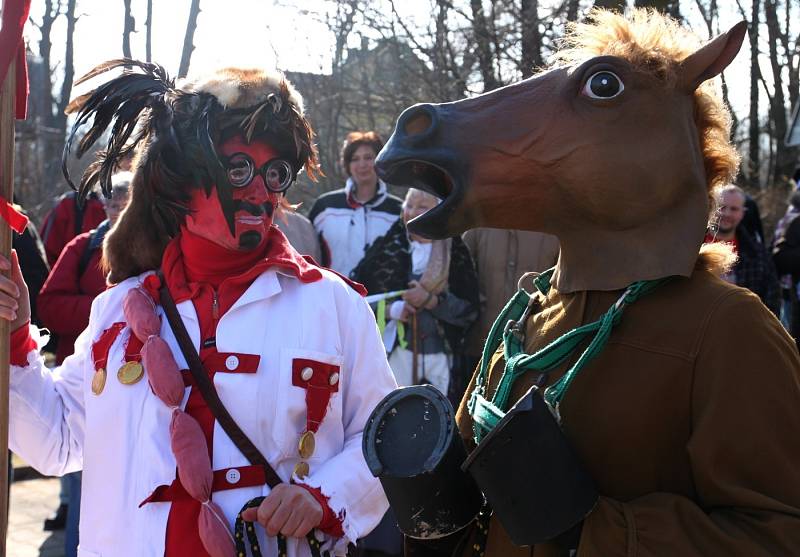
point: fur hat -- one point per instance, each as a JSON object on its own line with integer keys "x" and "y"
{"x": 172, "y": 129}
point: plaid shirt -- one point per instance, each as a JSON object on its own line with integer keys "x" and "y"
{"x": 755, "y": 271}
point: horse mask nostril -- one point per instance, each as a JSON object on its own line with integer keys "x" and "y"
{"x": 418, "y": 121}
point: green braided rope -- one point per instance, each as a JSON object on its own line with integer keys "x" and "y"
{"x": 255, "y": 549}
{"x": 506, "y": 329}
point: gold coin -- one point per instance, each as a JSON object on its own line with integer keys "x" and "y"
{"x": 300, "y": 470}
{"x": 130, "y": 373}
{"x": 99, "y": 381}
{"x": 307, "y": 444}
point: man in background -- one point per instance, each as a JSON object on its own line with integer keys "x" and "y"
{"x": 754, "y": 269}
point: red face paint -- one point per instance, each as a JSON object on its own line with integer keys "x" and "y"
{"x": 253, "y": 219}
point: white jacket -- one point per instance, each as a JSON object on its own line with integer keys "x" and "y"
{"x": 120, "y": 438}
{"x": 346, "y": 229}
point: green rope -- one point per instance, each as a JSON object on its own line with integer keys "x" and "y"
{"x": 380, "y": 315}
{"x": 401, "y": 335}
{"x": 380, "y": 318}
{"x": 508, "y": 329}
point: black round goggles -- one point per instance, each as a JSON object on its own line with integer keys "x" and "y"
{"x": 277, "y": 174}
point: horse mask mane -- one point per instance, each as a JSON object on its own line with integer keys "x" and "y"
{"x": 171, "y": 130}
{"x": 615, "y": 149}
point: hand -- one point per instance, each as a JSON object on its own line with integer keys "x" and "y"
{"x": 408, "y": 311}
{"x": 289, "y": 510}
{"x": 416, "y": 295}
{"x": 15, "y": 304}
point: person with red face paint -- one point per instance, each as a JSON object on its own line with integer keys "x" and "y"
{"x": 218, "y": 396}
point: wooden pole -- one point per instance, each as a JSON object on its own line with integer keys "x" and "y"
{"x": 414, "y": 351}
{"x": 7, "y": 191}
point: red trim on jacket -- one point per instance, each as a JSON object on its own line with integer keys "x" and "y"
{"x": 21, "y": 343}
{"x": 331, "y": 524}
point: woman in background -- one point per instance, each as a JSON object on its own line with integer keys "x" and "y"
{"x": 350, "y": 219}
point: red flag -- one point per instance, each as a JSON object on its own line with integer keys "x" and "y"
{"x": 15, "y": 14}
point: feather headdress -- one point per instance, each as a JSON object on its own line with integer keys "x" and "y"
{"x": 172, "y": 130}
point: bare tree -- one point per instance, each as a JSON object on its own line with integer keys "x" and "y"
{"x": 483, "y": 46}
{"x": 571, "y": 7}
{"x": 785, "y": 158}
{"x": 60, "y": 119}
{"x": 129, "y": 26}
{"x": 531, "y": 38}
{"x": 670, "y": 7}
{"x": 618, "y": 5}
{"x": 53, "y": 117}
{"x": 148, "y": 25}
{"x": 754, "y": 136}
{"x": 40, "y": 138}
{"x": 188, "y": 40}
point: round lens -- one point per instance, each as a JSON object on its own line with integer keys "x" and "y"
{"x": 279, "y": 175}
{"x": 240, "y": 170}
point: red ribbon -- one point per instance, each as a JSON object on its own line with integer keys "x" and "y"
{"x": 102, "y": 345}
{"x": 13, "y": 216}
{"x": 133, "y": 349}
{"x": 318, "y": 388}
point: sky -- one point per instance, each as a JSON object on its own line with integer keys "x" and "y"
{"x": 266, "y": 33}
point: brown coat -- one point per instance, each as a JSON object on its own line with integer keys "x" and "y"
{"x": 501, "y": 258}
{"x": 688, "y": 421}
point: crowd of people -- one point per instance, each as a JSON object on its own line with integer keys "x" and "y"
{"x": 768, "y": 268}
{"x": 443, "y": 294}
{"x": 434, "y": 301}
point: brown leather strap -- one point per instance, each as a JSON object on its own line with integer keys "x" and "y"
{"x": 208, "y": 391}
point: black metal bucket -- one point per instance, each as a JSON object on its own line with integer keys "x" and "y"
{"x": 412, "y": 445}
{"x": 532, "y": 479}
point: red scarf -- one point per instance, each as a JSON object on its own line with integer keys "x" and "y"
{"x": 190, "y": 260}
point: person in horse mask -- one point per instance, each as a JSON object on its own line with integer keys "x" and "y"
{"x": 224, "y": 379}
{"x": 629, "y": 401}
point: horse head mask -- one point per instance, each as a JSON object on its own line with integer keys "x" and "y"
{"x": 615, "y": 150}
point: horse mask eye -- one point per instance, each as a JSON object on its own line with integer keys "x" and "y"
{"x": 603, "y": 85}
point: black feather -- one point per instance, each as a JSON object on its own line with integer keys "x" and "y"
{"x": 120, "y": 101}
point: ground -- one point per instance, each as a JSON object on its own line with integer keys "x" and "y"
{"x": 33, "y": 499}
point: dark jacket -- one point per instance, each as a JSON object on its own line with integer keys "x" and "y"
{"x": 32, "y": 264}
{"x": 786, "y": 255}
{"x": 755, "y": 271}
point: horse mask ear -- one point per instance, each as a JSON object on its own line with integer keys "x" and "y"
{"x": 710, "y": 60}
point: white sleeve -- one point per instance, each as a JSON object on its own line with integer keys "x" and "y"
{"x": 396, "y": 309}
{"x": 353, "y": 493}
{"x": 46, "y": 409}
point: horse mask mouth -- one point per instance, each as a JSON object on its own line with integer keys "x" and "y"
{"x": 407, "y": 161}
{"x": 433, "y": 179}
